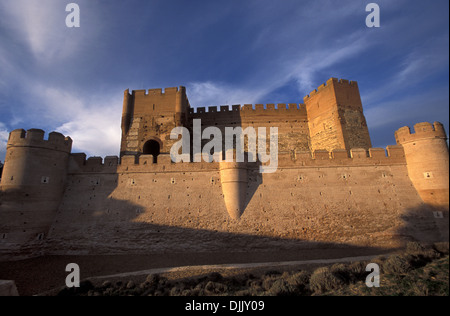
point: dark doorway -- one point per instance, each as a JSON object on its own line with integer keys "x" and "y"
{"x": 152, "y": 147}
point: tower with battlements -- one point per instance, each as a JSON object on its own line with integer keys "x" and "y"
{"x": 427, "y": 158}
{"x": 148, "y": 118}
{"x": 33, "y": 183}
{"x": 335, "y": 116}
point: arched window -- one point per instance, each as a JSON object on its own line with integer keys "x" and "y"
{"x": 152, "y": 147}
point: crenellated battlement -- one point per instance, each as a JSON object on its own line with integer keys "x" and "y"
{"x": 332, "y": 81}
{"x": 215, "y": 109}
{"x": 156, "y": 92}
{"x": 35, "y": 138}
{"x": 132, "y": 163}
{"x": 422, "y": 130}
{"x": 321, "y": 158}
{"x": 271, "y": 108}
{"x": 341, "y": 157}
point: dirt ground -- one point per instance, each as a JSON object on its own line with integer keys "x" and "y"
{"x": 38, "y": 275}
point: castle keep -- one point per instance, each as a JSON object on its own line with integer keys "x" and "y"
{"x": 331, "y": 186}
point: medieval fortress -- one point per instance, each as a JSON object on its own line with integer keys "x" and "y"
{"x": 330, "y": 187}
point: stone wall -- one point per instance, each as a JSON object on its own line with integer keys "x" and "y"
{"x": 361, "y": 199}
{"x": 291, "y": 121}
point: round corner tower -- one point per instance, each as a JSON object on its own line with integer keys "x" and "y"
{"x": 427, "y": 158}
{"x": 32, "y": 184}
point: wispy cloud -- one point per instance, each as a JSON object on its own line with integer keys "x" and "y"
{"x": 37, "y": 41}
{"x": 3, "y": 140}
{"x": 217, "y": 93}
{"x": 92, "y": 122}
{"x": 37, "y": 23}
{"x": 431, "y": 106}
{"x": 303, "y": 68}
{"x": 40, "y": 25}
{"x": 427, "y": 59}
{"x": 424, "y": 60}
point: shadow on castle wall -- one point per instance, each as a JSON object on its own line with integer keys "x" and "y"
{"x": 116, "y": 236}
{"x": 104, "y": 240}
{"x": 255, "y": 180}
{"x": 425, "y": 223}
{"x": 107, "y": 225}
{"x": 112, "y": 226}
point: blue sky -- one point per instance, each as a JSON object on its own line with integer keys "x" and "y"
{"x": 225, "y": 52}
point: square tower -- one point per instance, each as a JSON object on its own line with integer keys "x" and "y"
{"x": 335, "y": 117}
{"x": 148, "y": 117}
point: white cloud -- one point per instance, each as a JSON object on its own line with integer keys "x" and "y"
{"x": 94, "y": 125}
{"x": 40, "y": 25}
{"x": 4, "y": 134}
{"x": 93, "y": 122}
{"x": 57, "y": 104}
{"x": 97, "y": 133}
{"x": 214, "y": 94}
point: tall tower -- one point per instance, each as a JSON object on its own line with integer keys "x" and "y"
{"x": 32, "y": 184}
{"x": 427, "y": 158}
{"x": 149, "y": 117}
{"x": 335, "y": 117}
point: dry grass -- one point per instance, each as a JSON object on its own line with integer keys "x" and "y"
{"x": 418, "y": 271}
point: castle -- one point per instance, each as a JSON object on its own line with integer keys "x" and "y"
{"x": 331, "y": 186}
